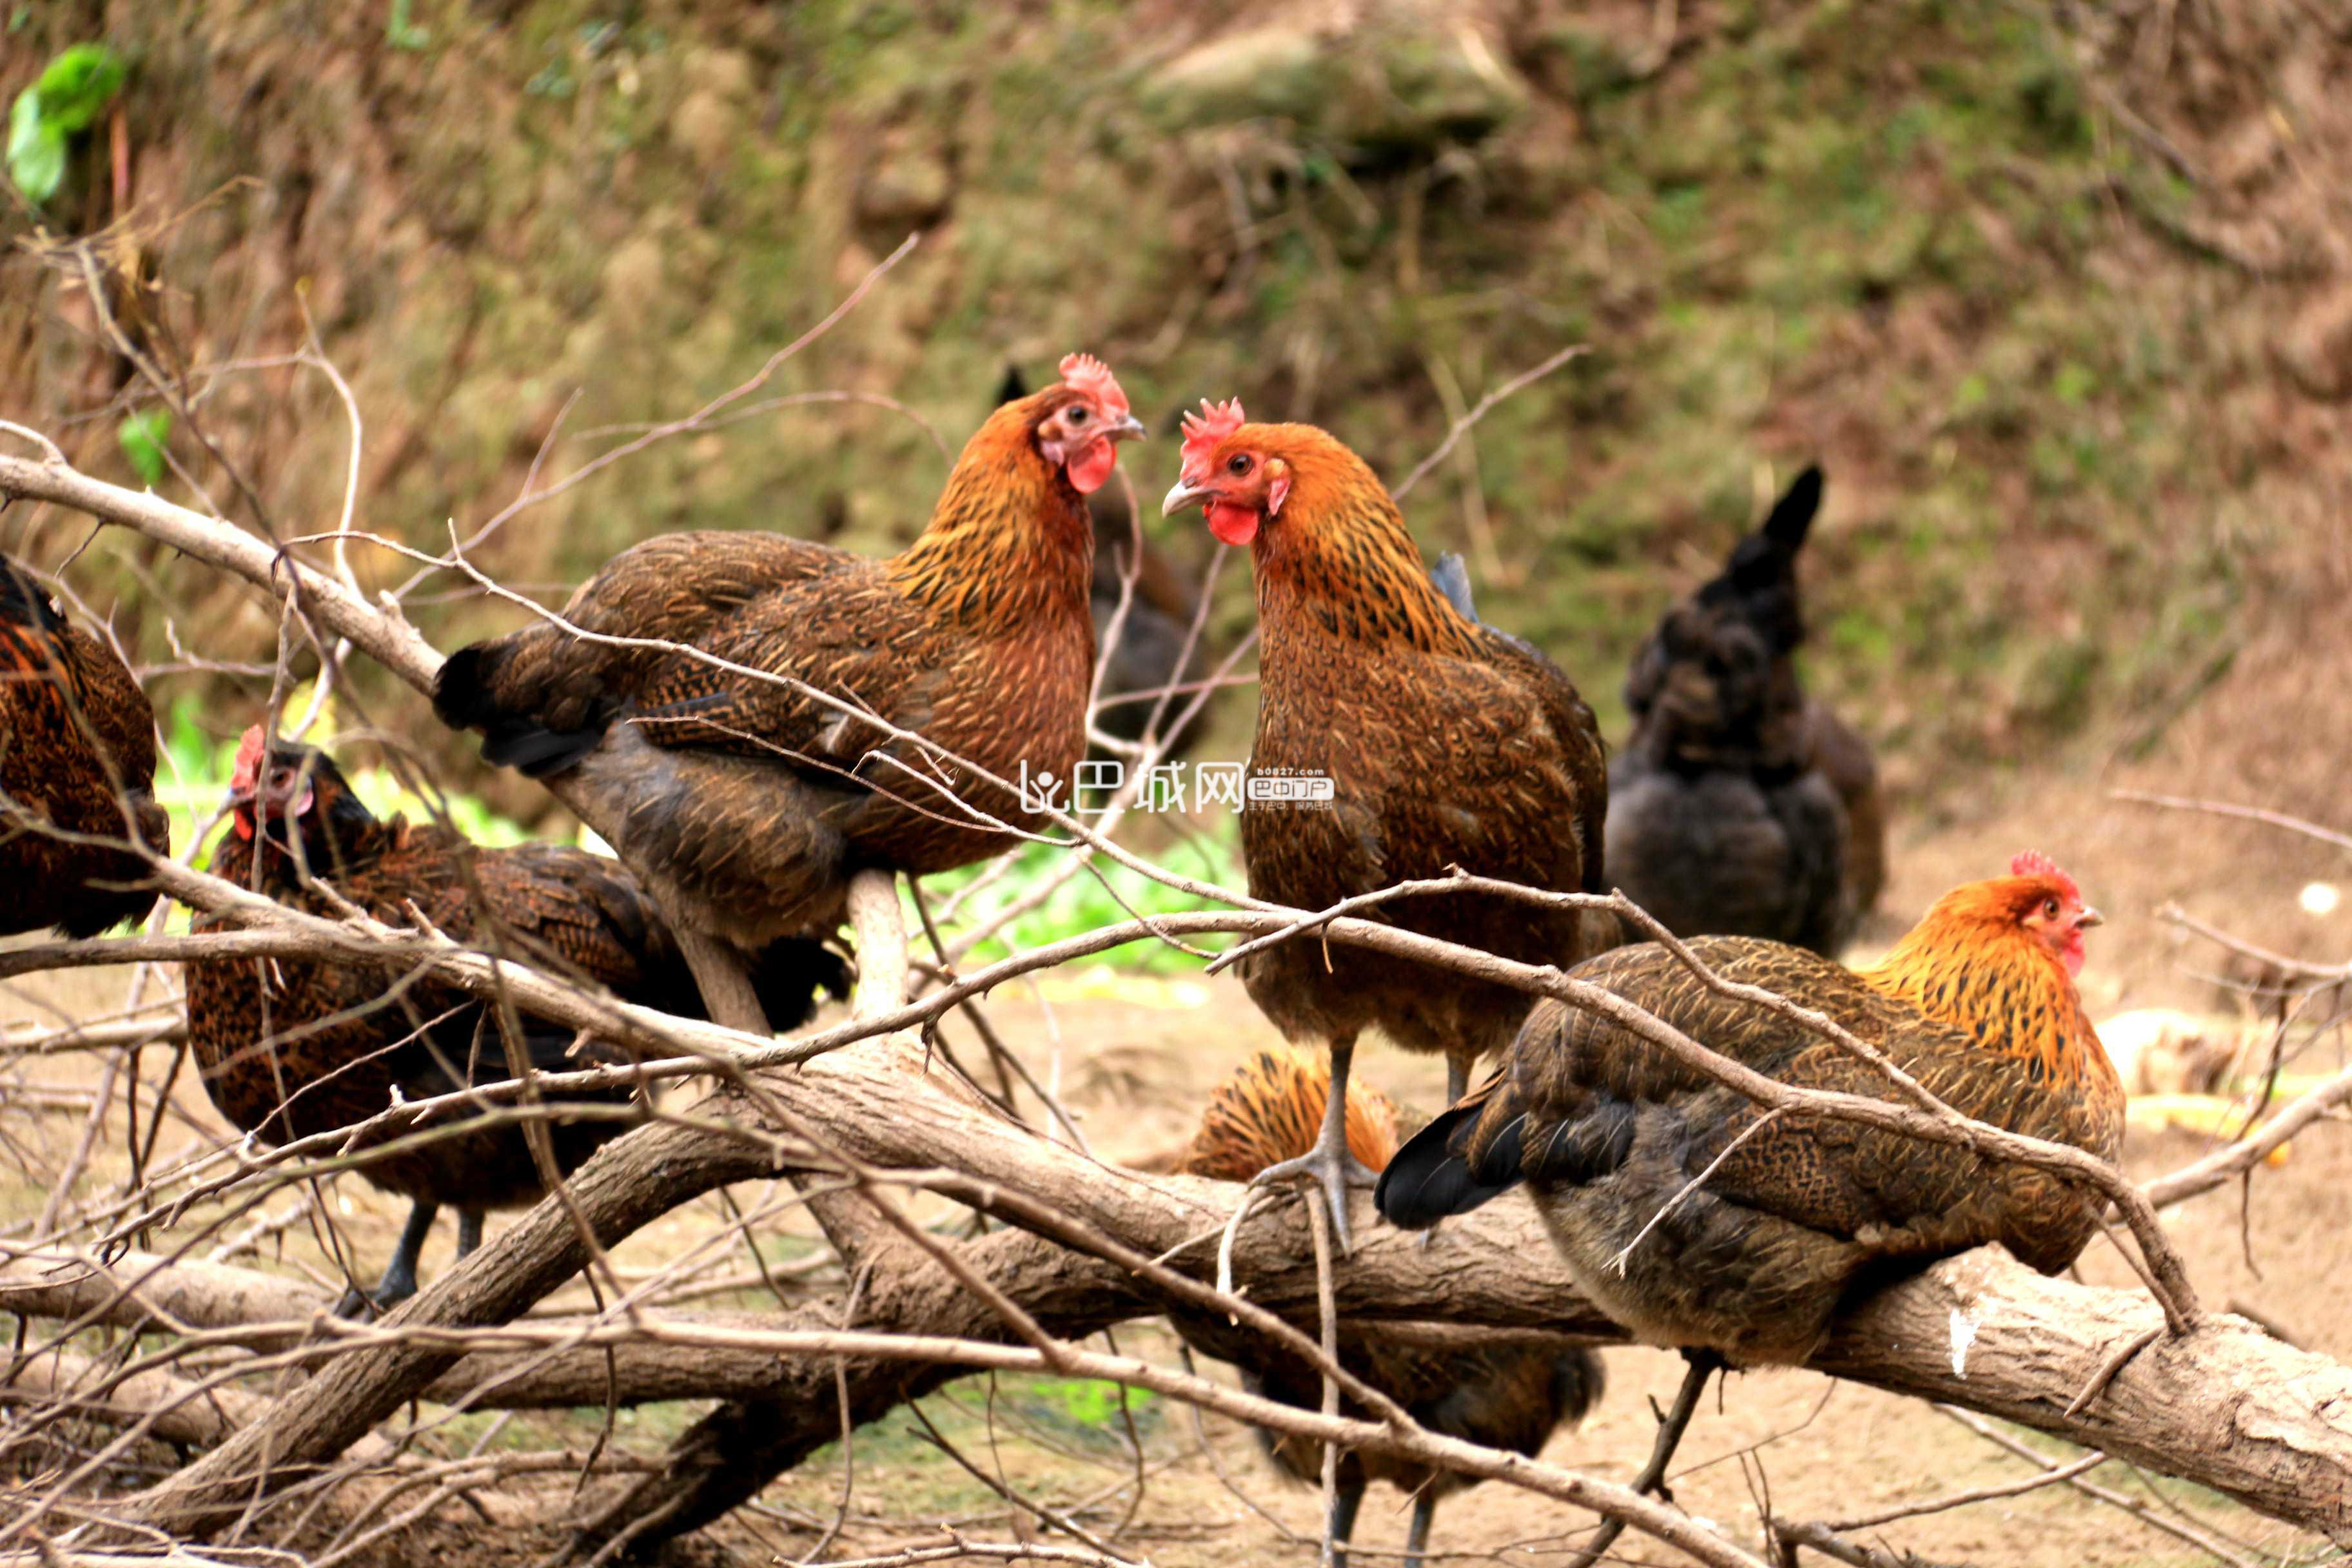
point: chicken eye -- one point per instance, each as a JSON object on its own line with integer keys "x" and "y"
{"x": 1239, "y": 464}
{"x": 1078, "y": 412}
{"x": 2049, "y": 909}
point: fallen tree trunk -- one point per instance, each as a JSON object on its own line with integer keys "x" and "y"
{"x": 2284, "y": 1446}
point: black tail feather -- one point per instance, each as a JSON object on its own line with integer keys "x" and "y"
{"x": 461, "y": 692}
{"x": 462, "y": 700}
{"x": 1792, "y": 514}
{"x": 1432, "y": 1178}
{"x": 535, "y": 751}
{"x": 789, "y": 975}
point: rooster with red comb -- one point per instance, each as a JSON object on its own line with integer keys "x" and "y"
{"x": 1448, "y": 745}
{"x": 746, "y": 803}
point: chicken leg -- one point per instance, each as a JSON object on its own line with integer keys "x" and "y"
{"x": 1457, "y": 1075}
{"x": 1346, "y": 1498}
{"x": 1416, "y": 1540}
{"x": 1328, "y": 1162}
{"x": 399, "y": 1280}
{"x": 469, "y": 1232}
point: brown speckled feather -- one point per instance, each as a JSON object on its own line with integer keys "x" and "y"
{"x": 1607, "y": 1129}
{"x": 1508, "y": 1397}
{"x": 747, "y": 804}
{"x": 1449, "y": 744}
{"x": 77, "y": 746}
{"x": 290, "y": 1048}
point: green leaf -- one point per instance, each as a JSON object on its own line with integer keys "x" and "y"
{"x": 142, "y": 436}
{"x": 36, "y": 149}
{"x": 78, "y": 85}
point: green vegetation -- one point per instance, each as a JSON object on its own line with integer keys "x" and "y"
{"x": 1104, "y": 894}
{"x": 71, "y": 94}
{"x": 1957, "y": 282}
{"x": 142, "y": 436}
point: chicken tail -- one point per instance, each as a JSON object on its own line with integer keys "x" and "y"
{"x": 1435, "y": 1175}
{"x": 467, "y": 695}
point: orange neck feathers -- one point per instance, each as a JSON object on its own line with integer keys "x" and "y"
{"x": 1272, "y": 1109}
{"x": 1010, "y": 542}
{"x": 1970, "y": 963}
{"x": 1339, "y": 555}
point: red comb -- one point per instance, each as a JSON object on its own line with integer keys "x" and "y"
{"x": 1084, "y": 373}
{"x": 248, "y": 760}
{"x": 1203, "y": 431}
{"x": 2034, "y": 863}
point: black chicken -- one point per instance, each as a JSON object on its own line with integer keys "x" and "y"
{"x": 1739, "y": 807}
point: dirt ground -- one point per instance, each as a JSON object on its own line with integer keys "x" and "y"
{"x": 1134, "y": 1058}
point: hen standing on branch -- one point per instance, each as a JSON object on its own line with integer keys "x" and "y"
{"x": 288, "y": 1047}
{"x": 77, "y": 763}
{"x": 1448, "y": 745}
{"x": 1700, "y": 1220}
{"x": 1504, "y": 1395}
{"x": 747, "y": 803}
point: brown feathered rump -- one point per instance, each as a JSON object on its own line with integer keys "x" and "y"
{"x": 77, "y": 761}
{"x": 1506, "y": 1396}
{"x": 1606, "y": 1129}
{"x": 290, "y": 1048}
{"x": 747, "y": 803}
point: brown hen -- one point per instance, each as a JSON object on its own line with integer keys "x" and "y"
{"x": 747, "y": 804}
{"x": 290, "y": 1048}
{"x": 1447, "y": 744}
{"x": 1978, "y": 1002}
{"x": 1505, "y": 1397}
{"x": 77, "y": 764}
{"x": 1698, "y": 1220}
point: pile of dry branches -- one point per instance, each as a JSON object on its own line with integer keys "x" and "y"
{"x": 287, "y": 1421}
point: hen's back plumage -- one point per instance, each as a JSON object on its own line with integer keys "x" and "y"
{"x": 744, "y": 800}
{"x": 1607, "y": 1130}
{"x": 77, "y": 761}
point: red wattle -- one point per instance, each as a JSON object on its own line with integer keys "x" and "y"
{"x": 1232, "y": 524}
{"x": 1090, "y": 469}
{"x": 243, "y": 822}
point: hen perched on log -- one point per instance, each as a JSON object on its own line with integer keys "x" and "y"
{"x": 289, "y": 1047}
{"x": 744, "y": 801}
{"x": 77, "y": 763}
{"x": 1506, "y": 1396}
{"x": 1978, "y": 1002}
{"x": 1446, "y": 745}
{"x": 1739, "y": 807}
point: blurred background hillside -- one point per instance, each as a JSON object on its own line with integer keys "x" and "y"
{"x": 2059, "y": 294}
